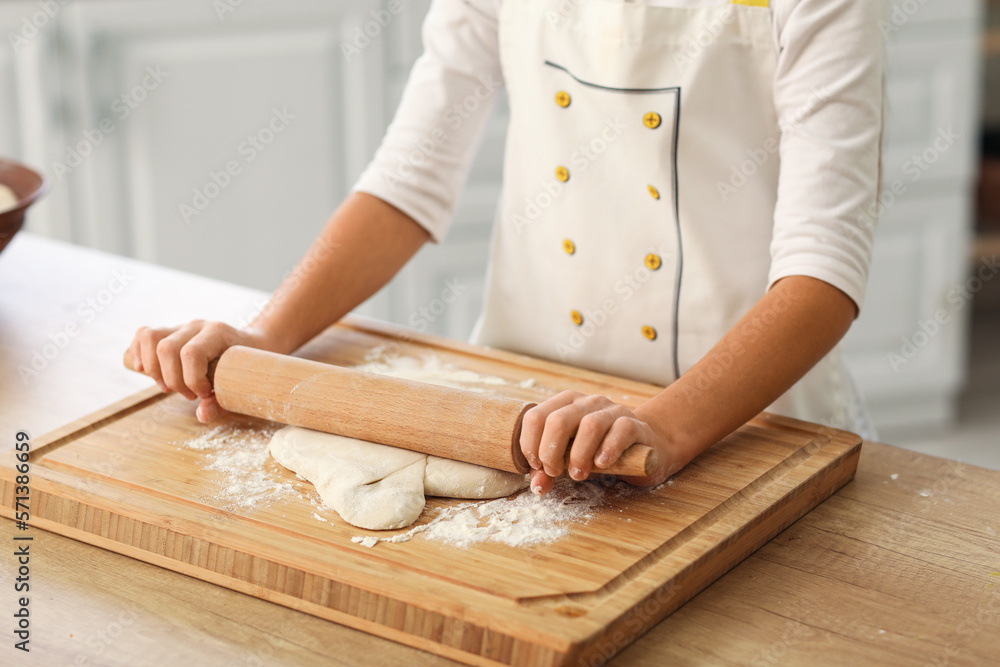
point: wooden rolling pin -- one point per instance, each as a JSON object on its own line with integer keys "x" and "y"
{"x": 447, "y": 422}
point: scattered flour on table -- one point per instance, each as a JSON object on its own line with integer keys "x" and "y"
{"x": 432, "y": 370}
{"x": 523, "y": 520}
{"x": 239, "y": 452}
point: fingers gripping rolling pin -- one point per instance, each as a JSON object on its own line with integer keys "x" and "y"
{"x": 443, "y": 421}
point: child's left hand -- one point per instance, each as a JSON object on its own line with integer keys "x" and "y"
{"x": 601, "y": 430}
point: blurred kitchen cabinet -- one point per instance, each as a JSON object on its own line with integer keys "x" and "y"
{"x": 213, "y": 137}
{"x": 929, "y": 14}
{"x": 907, "y": 350}
{"x": 30, "y": 103}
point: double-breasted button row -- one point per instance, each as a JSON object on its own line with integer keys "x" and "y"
{"x": 652, "y": 120}
{"x": 647, "y": 331}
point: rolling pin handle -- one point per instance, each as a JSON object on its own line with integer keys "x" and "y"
{"x": 520, "y": 462}
{"x": 652, "y": 460}
{"x": 636, "y": 461}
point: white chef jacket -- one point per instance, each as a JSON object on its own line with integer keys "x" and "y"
{"x": 827, "y": 94}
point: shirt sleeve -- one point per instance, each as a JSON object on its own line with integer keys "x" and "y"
{"x": 828, "y": 92}
{"x": 425, "y": 156}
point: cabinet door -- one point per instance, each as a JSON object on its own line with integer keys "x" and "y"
{"x": 221, "y": 140}
{"x": 932, "y": 108}
{"x": 903, "y": 13}
{"x": 442, "y": 289}
{"x": 907, "y": 349}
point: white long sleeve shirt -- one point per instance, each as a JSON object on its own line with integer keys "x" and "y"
{"x": 828, "y": 91}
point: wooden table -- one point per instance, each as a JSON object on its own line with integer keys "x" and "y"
{"x": 889, "y": 571}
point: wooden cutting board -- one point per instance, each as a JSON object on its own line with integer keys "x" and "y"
{"x": 118, "y": 479}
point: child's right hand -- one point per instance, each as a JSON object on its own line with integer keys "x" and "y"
{"x": 178, "y": 357}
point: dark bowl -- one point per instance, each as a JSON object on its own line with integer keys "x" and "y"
{"x": 28, "y": 185}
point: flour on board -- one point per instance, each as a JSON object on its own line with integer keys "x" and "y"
{"x": 432, "y": 370}
{"x": 520, "y": 521}
{"x": 239, "y": 453}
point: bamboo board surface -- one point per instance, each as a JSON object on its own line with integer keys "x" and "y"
{"x": 118, "y": 479}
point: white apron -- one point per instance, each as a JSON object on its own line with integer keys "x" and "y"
{"x": 615, "y": 249}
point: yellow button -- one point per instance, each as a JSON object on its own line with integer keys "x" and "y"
{"x": 649, "y": 332}
{"x": 654, "y": 192}
{"x": 563, "y": 99}
{"x": 577, "y": 317}
{"x": 562, "y": 173}
{"x": 569, "y": 247}
{"x": 653, "y": 262}
{"x": 652, "y": 120}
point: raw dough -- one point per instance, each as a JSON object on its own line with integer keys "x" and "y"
{"x": 380, "y": 487}
{"x": 8, "y": 199}
{"x": 455, "y": 479}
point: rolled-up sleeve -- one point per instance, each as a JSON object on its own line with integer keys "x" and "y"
{"x": 422, "y": 163}
{"x": 828, "y": 93}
